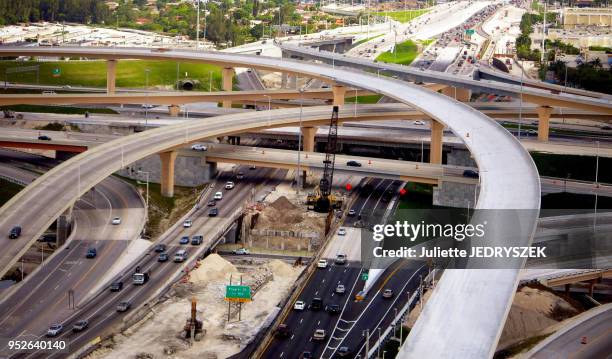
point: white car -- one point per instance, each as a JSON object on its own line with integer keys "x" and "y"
{"x": 418, "y": 123}
{"x": 187, "y": 223}
{"x": 322, "y": 263}
{"x": 299, "y": 305}
{"x": 55, "y": 330}
{"x": 340, "y": 289}
{"x": 342, "y": 232}
{"x": 199, "y": 147}
{"x": 144, "y": 105}
{"x": 218, "y": 196}
{"x": 241, "y": 251}
{"x": 116, "y": 220}
{"x": 229, "y": 185}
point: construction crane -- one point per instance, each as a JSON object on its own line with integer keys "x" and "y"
{"x": 325, "y": 201}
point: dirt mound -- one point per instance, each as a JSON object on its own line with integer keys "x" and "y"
{"x": 280, "y": 268}
{"x": 213, "y": 267}
{"x": 533, "y": 310}
{"x": 282, "y": 204}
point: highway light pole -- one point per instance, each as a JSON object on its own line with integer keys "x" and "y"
{"x": 299, "y": 169}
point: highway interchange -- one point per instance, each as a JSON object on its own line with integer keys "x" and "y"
{"x": 489, "y": 143}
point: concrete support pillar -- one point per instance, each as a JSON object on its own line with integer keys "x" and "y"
{"x": 284, "y": 80}
{"x": 435, "y": 148}
{"x": 167, "y": 172}
{"x": 543, "y": 122}
{"x": 308, "y": 138}
{"x": 227, "y": 75}
{"x": 339, "y": 92}
{"x": 64, "y": 227}
{"x": 111, "y": 75}
{"x": 458, "y": 93}
{"x": 174, "y": 110}
{"x": 293, "y": 82}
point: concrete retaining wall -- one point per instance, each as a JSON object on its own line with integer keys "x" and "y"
{"x": 189, "y": 171}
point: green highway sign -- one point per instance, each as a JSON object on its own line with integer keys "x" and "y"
{"x": 364, "y": 276}
{"x": 56, "y": 72}
{"x": 238, "y": 293}
{"x": 469, "y": 32}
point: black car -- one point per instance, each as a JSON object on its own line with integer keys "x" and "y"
{"x": 116, "y": 286}
{"x": 283, "y": 331}
{"x": 184, "y": 240}
{"x": 91, "y": 253}
{"x": 15, "y": 232}
{"x": 197, "y": 240}
{"x": 316, "y": 304}
{"x": 211, "y": 203}
{"x": 160, "y": 248}
{"x": 333, "y": 309}
{"x": 353, "y": 164}
{"x": 162, "y": 257}
{"x": 44, "y": 138}
{"x": 80, "y": 326}
{"x": 344, "y": 352}
{"x": 470, "y": 174}
{"x": 306, "y": 355}
{"x": 213, "y": 212}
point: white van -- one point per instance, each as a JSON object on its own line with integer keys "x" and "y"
{"x": 180, "y": 256}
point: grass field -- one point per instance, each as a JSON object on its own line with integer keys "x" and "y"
{"x": 405, "y": 53}
{"x": 403, "y": 16}
{"x": 368, "y": 99}
{"x": 130, "y": 73}
{"x": 58, "y": 109}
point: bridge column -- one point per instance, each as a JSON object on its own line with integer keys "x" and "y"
{"x": 308, "y": 138}
{"x": 543, "y": 122}
{"x": 111, "y": 75}
{"x": 174, "y": 110}
{"x": 227, "y": 75}
{"x": 339, "y": 92}
{"x": 284, "y": 80}
{"x": 435, "y": 147}
{"x": 167, "y": 172}
{"x": 458, "y": 93}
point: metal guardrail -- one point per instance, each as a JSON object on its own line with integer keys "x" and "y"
{"x": 13, "y": 180}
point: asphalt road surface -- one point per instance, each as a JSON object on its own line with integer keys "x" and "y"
{"x": 322, "y": 284}
{"x": 101, "y": 312}
{"x": 42, "y": 298}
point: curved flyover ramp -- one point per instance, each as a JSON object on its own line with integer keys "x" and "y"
{"x": 509, "y": 180}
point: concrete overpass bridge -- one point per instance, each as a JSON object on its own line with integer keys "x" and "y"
{"x": 504, "y": 165}
{"x": 460, "y": 88}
